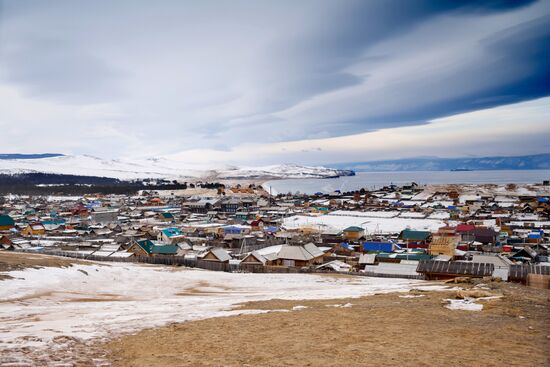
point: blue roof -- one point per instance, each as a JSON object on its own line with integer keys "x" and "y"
{"x": 378, "y": 246}
{"x": 54, "y": 221}
{"x": 172, "y": 232}
{"x": 346, "y": 245}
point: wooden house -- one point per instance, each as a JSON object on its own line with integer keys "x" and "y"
{"x": 6, "y": 223}
{"x": 6, "y": 243}
{"x": 255, "y": 258}
{"x": 217, "y": 254}
{"x": 443, "y": 245}
{"x": 353, "y": 233}
{"x": 299, "y": 256}
{"x": 150, "y": 248}
{"x": 415, "y": 239}
{"x": 257, "y": 225}
{"x": 166, "y": 217}
{"x": 104, "y": 215}
{"x": 170, "y": 235}
{"x": 34, "y": 229}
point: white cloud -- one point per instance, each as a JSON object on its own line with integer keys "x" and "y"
{"x": 516, "y": 129}
{"x": 140, "y": 79}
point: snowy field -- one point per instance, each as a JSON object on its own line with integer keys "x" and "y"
{"x": 339, "y": 221}
{"x": 40, "y": 308}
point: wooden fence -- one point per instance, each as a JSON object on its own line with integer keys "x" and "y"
{"x": 449, "y": 268}
{"x": 217, "y": 266}
{"x": 519, "y": 273}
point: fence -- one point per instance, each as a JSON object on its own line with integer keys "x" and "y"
{"x": 217, "y": 266}
{"x": 450, "y": 268}
{"x": 519, "y": 273}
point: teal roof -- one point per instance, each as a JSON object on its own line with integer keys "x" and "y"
{"x": 6, "y": 220}
{"x": 166, "y": 249}
{"x": 54, "y": 221}
{"x": 409, "y": 234}
{"x": 354, "y": 229}
{"x": 172, "y": 232}
{"x": 167, "y": 215}
{"x": 402, "y": 256}
{"x": 149, "y": 247}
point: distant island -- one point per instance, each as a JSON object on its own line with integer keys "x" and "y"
{"x": 527, "y": 162}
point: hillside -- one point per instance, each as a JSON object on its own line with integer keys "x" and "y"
{"x": 85, "y": 165}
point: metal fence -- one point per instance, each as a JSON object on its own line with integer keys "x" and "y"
{"x": 519, "y": 273}
{"x": 455, "y": 268}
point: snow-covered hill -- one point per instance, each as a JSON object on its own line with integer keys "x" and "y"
{"x": 85, "y": 165}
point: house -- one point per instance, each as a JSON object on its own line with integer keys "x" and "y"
{"x": 335, "y": 265}
{"x": 107, "y": 250}
{"x": 367, "y": 259}
{"x": 415, "y": 239}
{"x": 443, "y": 245}
{"x": 526, "y": 254}
{"x": 203, "y": 205}
{"x": 80, "y": 210}
{"x": 217, "y": 254}
{"x": 230, "y": 205}
{"x": 6, "y": 243}
{"x": 150, "y": 248}
{"x": 6, "y": 223}
{"x": 170, "y": 235}
{"x": 353, "y": 233}
{"x": 254, "y": 258}
{"x": 155, "y": 202}
{"x": 232, "y": 230}
{"x": 299, "y": 256}
{"x": 379, "y": 246}
{"x": 257, "y": 225}
{"x": 466, "y": 231}
{"x": 34, "y": 229}
{"x": 104, "y": 216}
{"x": 166, "y": 217}
{"x": 485, "y": 235}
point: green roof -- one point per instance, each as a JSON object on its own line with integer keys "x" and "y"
{"x": 6, "y": 220}
{"x": 354, "y": 229}
{"x": 404, "y": 256}
{"x": 149, "y": 247}
{"x": 409, "y": 234}
{"x": 167, "y": 215}
{"x": 166, "y": 249}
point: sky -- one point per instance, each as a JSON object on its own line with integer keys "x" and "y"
{"x": 262, "y": 82}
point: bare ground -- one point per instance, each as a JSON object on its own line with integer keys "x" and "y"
{"x": 379, "y": 330}
{"x": 10, "y": 261}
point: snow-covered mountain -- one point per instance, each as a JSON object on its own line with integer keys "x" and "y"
{"x": 85, "y": 165}
{"x": 537, "y": 161}
{"x": 283, "y": 171}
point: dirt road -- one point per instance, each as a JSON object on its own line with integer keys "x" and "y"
{"x": 386, "y": 330}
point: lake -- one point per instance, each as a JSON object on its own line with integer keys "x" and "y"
{"x": 373, "y": 180}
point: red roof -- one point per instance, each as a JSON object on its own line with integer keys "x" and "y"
{"x": 465, "y": 227}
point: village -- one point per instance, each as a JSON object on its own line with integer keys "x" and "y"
{"x": 410, "y": 231}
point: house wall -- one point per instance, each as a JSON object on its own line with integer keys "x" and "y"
{"x": 210, "y": 257}
{"x": 137, "y": 250}
{"x": 352, "y": 235}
